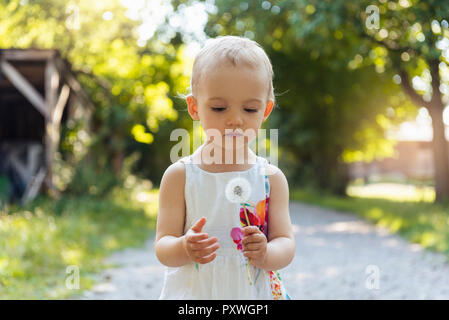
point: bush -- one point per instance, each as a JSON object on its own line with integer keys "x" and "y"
{"x": 92, "y": 180}
{"x": 4, "y": 190}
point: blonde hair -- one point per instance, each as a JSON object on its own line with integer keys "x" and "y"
{"x": 235, "y": 50}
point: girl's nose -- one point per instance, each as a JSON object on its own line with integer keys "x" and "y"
{"x": 234, "y": 120}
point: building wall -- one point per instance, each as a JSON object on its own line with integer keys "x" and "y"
{"x": 414, "y": 159}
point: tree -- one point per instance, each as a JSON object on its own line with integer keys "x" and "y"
{"x": 326, "y": 114}
{"x": 414, "y": 37}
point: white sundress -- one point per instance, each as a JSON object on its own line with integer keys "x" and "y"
{"x": 227, "y": 276}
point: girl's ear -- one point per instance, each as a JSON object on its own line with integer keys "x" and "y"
{"x": 268, "y": 109}
{"x": 192, "y": 107}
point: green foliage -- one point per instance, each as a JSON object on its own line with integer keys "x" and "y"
{"x": 130, "y": 84}
{"x": 334, "y": 104}
{"x": 38, "y": 242}
{"x": 92, "y": 180}
{"x": 333, "y": 76}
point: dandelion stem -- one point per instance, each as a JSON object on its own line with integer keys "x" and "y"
{"x": 246, "y": 215}
{"x": 249, "y": 275}
{"x": 247, "y": 263}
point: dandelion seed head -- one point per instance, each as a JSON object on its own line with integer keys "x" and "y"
{"x": 238, "y": 190}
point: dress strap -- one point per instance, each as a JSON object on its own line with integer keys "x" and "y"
{"x": 188, "y": 167}
{"x": 263, "y": 168}
{"x": 267, "y": 187}
{"x": 186, "y": 159}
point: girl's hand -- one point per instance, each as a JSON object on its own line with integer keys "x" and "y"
{"x": 254, "y": 244}
{"x": 198, "y": 246}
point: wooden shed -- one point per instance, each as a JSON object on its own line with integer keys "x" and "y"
{"x": 38, "y": 92}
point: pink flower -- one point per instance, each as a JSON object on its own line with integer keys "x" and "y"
{"x": 237, "y": 236}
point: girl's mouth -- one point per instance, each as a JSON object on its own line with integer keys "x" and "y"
{"x": 235, "y": 133}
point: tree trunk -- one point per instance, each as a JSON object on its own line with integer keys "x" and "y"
{"x": 117, "y": 162}
{"x": 333, "y": 173}
{"x": 440, "y": 155}
{"x": 439, "y": 145}
{"x": 342, "y": 182}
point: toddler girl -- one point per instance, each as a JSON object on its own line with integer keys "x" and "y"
{"x": 223, "y": 227}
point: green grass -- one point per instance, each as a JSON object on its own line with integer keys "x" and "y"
{"x": 38, "y": 242}
{"x": 422, "y": 222}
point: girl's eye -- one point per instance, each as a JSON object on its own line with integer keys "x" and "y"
{"x": 219, "y": 109}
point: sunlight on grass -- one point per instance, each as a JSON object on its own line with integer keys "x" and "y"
{"x": 374, "y": 213}
{"x": 39, "y": 241}
{"x": 393, "y": 191}
{"x": 428, "y": 239}
{"x": 149, "y": 199}
{"x": 72, "y": 256}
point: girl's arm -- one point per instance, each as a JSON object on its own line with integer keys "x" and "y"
{"x": 281, "y": 242}
{"x": 173, "y": 248}
{"x": 170, "y": 220}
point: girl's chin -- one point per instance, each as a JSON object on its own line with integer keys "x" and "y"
{"x": 232, "y": 143}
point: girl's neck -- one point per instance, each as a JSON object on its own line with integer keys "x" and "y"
{"x": 231, "y": 159}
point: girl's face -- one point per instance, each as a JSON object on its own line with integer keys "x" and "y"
{"x": 232, "y": 99}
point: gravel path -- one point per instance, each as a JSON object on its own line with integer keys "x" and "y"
{"x": 338, "y": 256}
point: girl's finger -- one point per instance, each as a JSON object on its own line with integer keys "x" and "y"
{"x": 256, "y": 238}
{"x": 252, "y": 247}
{"x": 250, "y": 230}
{"x": 207, "y": 242}
{"x": 196, "y": 237}
{"x": 252, "y": 254}
{"x": 198, "y": 249}
{"x": 198, "y": 246}
{"x": 207, "y": 251}
{"x": 207, "y": 259}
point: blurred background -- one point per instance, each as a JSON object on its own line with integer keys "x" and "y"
{"x": 89, "y": 96}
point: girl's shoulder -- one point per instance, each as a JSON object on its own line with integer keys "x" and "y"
{"x": 270, "y": 169}
{"x": 175, "y": 173}
{"x": 276, "y": 176}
